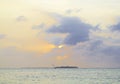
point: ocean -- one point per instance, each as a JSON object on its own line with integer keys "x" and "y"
{"x": 59, "y": 76}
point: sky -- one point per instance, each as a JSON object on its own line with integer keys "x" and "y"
{"x": 48, "y": 33}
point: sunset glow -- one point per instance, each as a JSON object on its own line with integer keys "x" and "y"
{"x": 41, "y": 32}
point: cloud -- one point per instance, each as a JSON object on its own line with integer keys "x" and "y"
{"x": 111, "y": 54}
{"x": 112, "y": 51}
{"x": 55, "y": 40}
{"x": 42, "y": 25}
{"x": 2, "y": 36}
{"x": 116, "y": 27}
{"x": 97, "y": 54}
{"x": 78, "y": 10}
{"x": 21, "y": 18}
{"x": 77, "y": 30}
{"x": 69, "y": 11}
{"x": 99, "y": 46}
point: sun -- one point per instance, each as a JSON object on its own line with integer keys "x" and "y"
{"x": 60, "y": 46}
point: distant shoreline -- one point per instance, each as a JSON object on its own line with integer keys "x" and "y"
{"x": 52, "y": 68}
{"x": 66, "y": 67}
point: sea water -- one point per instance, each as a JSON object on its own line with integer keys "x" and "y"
{"x": 59, "y": 76}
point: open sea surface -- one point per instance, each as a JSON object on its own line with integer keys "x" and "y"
{"x": 59, "y": 76}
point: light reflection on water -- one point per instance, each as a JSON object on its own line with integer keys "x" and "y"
{"x": 59, "y": 76}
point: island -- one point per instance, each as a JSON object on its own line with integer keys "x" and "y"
{"x": 66, "y": 67}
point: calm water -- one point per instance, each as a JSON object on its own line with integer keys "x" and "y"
{"x": 59, "y": 76}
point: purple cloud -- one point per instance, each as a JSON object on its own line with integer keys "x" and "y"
{"x": 115, "y": 27}
{"x": 77, "y": 30}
